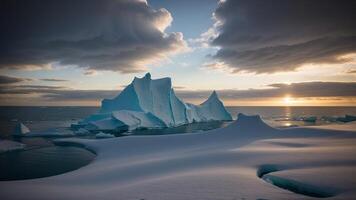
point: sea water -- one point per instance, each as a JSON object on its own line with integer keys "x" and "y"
{"x": 42, "y": 162}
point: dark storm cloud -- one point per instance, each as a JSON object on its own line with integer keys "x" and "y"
{"x": 281, "y": 35}
{"x": 303, "y": 89}
{"x": 117, "y": 35}
{"x": 10, "y": 79}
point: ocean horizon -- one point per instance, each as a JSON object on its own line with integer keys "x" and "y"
{"x": 40, "y": 118}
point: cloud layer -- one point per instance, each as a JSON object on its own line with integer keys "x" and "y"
{"x": 281, "y": 35}
{"x": 116, "y": 35}
{"x": 303, "y": 90}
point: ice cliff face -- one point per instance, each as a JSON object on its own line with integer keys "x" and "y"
{"x": 152, "y": 104}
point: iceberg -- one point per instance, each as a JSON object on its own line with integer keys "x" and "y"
{"x": 151, "y": 103}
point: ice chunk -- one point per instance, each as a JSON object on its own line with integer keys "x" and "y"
{"x": 347, "y": 118}
{"x": 81, "y": 131}
{"x": 213, "y": 109}
{"x": 106, "y": 125}
{"x": 21, "y": 130}
{"x": 310, "y": 119}
{"x": 104, "y": 135}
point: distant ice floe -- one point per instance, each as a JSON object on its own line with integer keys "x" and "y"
{"x": 346, "y": 118}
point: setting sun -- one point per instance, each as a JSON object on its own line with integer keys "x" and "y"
{"x": 287, "y": 100}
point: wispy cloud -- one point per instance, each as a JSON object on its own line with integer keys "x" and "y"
{"x": 303, "y": 90}
{"x": 91, "y": 72}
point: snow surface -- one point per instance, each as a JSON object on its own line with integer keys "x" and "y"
{"x": 225, "y": 163}
{"x": 152, "y": 103}
{"x": 8, "y": 145}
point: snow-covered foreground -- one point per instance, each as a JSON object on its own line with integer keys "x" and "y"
{"x": 247, "y": 159}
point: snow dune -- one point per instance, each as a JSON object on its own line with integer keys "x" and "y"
{"x": 248, "y": 159}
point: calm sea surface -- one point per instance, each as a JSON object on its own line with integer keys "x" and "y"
{"x": 42, "y": 162}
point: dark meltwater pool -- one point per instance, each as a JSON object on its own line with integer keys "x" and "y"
{"x": 42, "y": 162}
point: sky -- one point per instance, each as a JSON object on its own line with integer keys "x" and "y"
{"x": 253, "y": 53}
